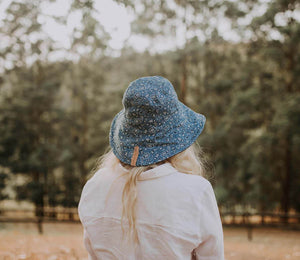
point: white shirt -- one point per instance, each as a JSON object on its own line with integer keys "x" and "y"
{"x": 176, "y": 215}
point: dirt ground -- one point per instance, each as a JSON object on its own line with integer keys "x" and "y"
{"x": 64, "y": 242}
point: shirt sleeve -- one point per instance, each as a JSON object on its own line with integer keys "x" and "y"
{"x": 88, "y": 246}
{"x": 212, "y": 245}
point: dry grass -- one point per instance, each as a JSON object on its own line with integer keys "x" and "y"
{"x": 59, "y": 242}
{"x": 267, "y": 244}
{"x": 64, "y": 242}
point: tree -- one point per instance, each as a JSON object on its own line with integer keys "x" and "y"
{"x": 23, "y": 40}
{"x": 178, "y": 22}
{"x": 284, "y": 52}
{"x": 29, "y": 121}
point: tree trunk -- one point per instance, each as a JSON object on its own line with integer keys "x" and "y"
{"x": 83, "y": 142}
{"x": 183, "y": 85}
{"x": 285, "y": 204}
{"x": 290, "y": 69}
{"x": 38, "y": 201}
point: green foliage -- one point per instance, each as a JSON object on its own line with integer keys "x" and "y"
{"x": 3, "y": 179}
{"x": 55, "y": 117}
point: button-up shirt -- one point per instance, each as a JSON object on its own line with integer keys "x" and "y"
{"x": 176, "y": 216}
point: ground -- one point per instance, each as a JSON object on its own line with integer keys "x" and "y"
{"x": 64, "y": 242}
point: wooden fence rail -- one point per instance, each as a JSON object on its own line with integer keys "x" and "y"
{"x": 47, "y": 215}
{"x": 261, "y": 219}
{"x": 228, "y": 218}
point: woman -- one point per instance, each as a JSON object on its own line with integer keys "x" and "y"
{"x": 148, "y": 200}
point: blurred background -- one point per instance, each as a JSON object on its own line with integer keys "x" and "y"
{"x": 64, "y": 65}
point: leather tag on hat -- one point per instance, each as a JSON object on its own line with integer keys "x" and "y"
{"x": 134, "y": 156}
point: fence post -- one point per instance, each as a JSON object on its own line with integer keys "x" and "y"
{"x": 40, "y": 225}
{"x": 262, "y": 218}
{"x": 40, "y": 215}
{"x": 248, "y": 226}
{"x": 233, "y": 218}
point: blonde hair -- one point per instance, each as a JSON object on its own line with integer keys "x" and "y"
{"x": 189, "y": 161}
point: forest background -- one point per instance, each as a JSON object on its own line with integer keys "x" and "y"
{"x": 55, "y": 113}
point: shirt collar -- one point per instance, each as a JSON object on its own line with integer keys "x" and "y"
{"x": 157, "y": 172}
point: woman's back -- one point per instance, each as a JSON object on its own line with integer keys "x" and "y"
{"x": 175, "y": 214}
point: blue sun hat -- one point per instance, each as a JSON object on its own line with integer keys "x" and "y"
{"x": 153, "y": 125}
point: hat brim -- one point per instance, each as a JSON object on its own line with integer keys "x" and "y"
{"x": 176, "y": 135}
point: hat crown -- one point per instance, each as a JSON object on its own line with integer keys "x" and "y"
{"x": 149, "y": 96}
{"x": 154, "y": 124}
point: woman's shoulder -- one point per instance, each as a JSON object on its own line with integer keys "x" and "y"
{"x": 172, "y": 181}
{"x": 192, "y": 180}
{"x": 99, "y": 178}
{"x": 95, "y": 190}
{"x": 171, "y": 176}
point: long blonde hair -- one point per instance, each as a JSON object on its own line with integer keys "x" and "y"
{"x": 189, "y": 161}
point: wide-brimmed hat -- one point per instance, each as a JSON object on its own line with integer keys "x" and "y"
{"x": 153, "y": 125}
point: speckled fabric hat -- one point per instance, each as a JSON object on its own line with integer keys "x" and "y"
{"x": 153, "y": 125}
